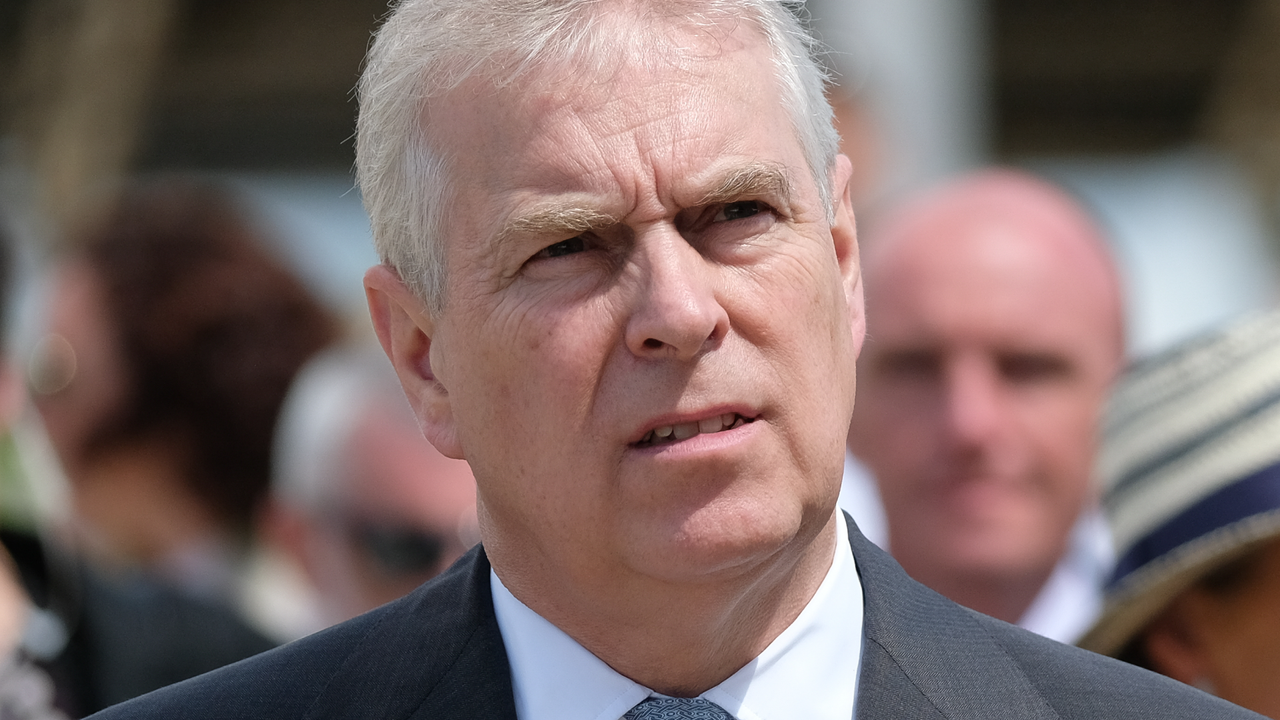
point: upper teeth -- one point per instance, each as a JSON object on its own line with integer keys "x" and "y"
{"x": 684, "y": 431}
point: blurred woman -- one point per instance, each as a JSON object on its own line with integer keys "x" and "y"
{"x": 1191, "y": 468}
{"x": 172, "y": 339}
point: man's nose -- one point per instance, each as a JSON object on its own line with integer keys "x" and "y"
{"x": 973, "y": 401}
{"x": 676, "y": 312}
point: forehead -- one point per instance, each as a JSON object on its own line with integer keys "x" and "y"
{"x": 671, "y": 106}
{"x": 991, "y": 279}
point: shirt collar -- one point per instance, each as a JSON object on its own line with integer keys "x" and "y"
{"x": 808, "y": 672}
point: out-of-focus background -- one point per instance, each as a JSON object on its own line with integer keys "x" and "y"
{"x": 1158, "y": 112}
{"x": 1161, "y": 115}
{"x": 257, "y": 93}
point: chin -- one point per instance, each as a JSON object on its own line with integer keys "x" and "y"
{"x": 1001, "y": 555}
{"x": 720, "y": 542}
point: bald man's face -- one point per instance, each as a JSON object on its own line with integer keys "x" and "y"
{"x": 989, "y": 351}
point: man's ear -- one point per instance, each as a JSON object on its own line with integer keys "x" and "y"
{"x": 405, "y": 329}
{"x": 844, "y": 235}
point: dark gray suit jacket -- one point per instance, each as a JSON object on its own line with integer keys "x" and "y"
{"x": 437, "y": 654}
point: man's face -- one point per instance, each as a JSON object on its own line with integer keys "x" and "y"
{"x": 395, "y": 514}
{"x": 407, "y": 512}
{"x": 647, "y": 347}
{"x": 991, "y": 348}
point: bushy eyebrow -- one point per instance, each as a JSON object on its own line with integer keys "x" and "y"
{"x": 557, "y": 221}
{"x": 756, "y": 179}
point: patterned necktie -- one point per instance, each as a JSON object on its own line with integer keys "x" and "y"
{"x": 670, "y": 708}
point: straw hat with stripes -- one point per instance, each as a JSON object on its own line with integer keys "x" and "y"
{"x": 1190, "y": 467}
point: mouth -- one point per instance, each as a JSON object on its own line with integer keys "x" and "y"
{"x": 667, "y": 434}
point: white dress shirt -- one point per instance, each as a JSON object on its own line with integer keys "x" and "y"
{"x": 809, "y": 672}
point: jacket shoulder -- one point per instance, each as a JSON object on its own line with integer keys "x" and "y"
{"x": 280, "y": 683}
{"x": 434, "y": 650}
{"x": 1081, "y": 684}
{"x": 924, "y": 652}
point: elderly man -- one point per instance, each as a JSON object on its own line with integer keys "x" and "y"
{"x": 996, "y": 329}
{"x": 621, "y": 280}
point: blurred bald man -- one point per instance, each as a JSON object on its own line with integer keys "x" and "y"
{"x": 994, "y": 330}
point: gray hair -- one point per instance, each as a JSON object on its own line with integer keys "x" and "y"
{"x": 311, "y": 459}
{"x": 428, "y": 47}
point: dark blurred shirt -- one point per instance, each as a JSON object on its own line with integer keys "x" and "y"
{"x": 125, "y": 637}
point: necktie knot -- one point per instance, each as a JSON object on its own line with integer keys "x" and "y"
{"x": 670, "y": 708}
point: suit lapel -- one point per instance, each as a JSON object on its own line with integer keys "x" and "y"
{"x": 924, "y": 656}
{"x": 885, "y": 691}
{"x": 436, "y": 653}
{"x": 477, "y": 684}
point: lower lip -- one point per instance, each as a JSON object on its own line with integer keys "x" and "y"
{"x": 702, "y": 443}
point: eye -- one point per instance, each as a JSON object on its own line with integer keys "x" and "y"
{"x": 562, "y": 248}
{"x": 911, "y": 364}
{"x": 739, "y": 210}
{"x": 1031, "y": 367}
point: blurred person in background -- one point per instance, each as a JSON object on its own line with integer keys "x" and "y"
{"x": 1190, "y": 465}
{"x": 26, "y": 690}
{"x": 172, "y": 339}
{"x": 360, "y": 501}
{"x": 71, "y": 640}
{"x": 994, "y": 325}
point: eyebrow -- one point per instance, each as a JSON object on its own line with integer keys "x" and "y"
{"x": 758, "y": 179}
{"x": 556, "y": 220}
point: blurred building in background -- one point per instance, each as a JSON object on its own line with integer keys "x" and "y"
{"x": 1159, "y": 112}
{"x": 257, "y": 93}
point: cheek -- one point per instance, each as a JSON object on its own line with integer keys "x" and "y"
{"x": 529, "y": 390}
{"x": 1063, "y": 435}
{"x": 1243, "y": 643}
{"x": 797, "y": 304}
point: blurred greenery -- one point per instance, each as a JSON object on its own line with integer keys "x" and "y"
{"x": 17, "y": 504}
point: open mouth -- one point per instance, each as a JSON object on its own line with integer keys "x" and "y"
{"x": 684, "y": 431}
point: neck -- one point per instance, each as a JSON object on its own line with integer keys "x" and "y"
{"x": 1005, "y": 596}
{"x": 681, "y": 639}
